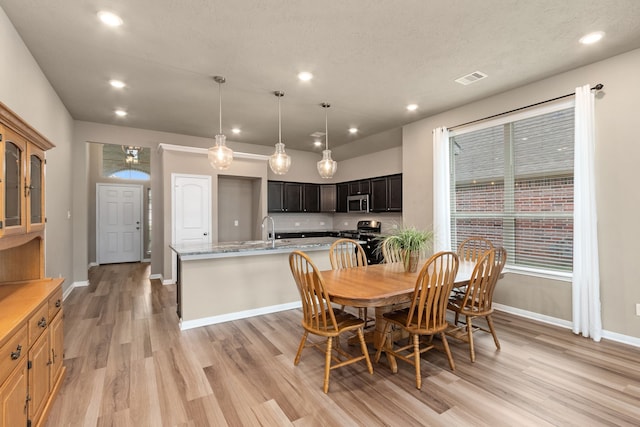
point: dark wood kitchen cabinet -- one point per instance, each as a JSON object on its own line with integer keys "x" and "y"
{"x": 342, "y": 192}
{"x": 362, "y": 186}
{"x": 293, "y": 197}
{"x": 386, "y": 194}
{"x": 275, "y": 196}
{"x": 310, "y": 198}
{"x": 328, "y": 198}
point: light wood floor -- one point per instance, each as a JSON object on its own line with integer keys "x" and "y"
{"x": 128, "y": 364}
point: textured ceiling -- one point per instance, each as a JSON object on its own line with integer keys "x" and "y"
{"x": 370, "y": 59}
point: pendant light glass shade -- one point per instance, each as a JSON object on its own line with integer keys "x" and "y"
{"x": 220, "y": 156}
{"x": 327, "y": 166}
{"x": 279, "y": 162}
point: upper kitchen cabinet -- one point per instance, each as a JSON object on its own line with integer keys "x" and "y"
{"x": 275, "y": 196}
{"x": 34, "y": 188}
{"x": 362, "y": 186}
{"x": 342, "y": 192}
{"x": 328, "y": 198}
{"x": 293, "y": 197}
{"x": 310, "y": 198}
{"x": 386, "y": 194}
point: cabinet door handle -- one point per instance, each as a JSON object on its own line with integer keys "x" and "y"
{"x": 58, "y": 303}
{"x": 42, "y": 322}
{"x": 16, "y": 354}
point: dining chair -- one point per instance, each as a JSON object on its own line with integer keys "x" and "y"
{"x": 347, "y": 253}
{"x": 390, "y": 253}
{"x": 426, "y": 316}
{"x": 477, "y": 299}
{"x": 321, "y": 319}
{"x": 472, "y": 248}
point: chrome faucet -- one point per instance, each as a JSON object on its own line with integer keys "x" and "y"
{"x": 273, "y": 230}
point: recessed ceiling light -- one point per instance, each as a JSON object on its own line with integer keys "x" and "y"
{"x": 317, "y": 143}
{"x": 305, "y": 76}
{"x": 117, "y": 84}
{"x": 120, "y": 113}
{"x": 353, "y": 130}
{"x": 412, "y": 107}
{"x": 592, "y": 37}
{"x": 110, "y": 19}
{"x": 236, "y": 130}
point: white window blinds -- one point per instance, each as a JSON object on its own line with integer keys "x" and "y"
{"x": 513, "y": 184}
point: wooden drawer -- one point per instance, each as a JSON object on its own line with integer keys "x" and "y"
{"x": 38, "y": 323}
{"x": 55, "y": 303}
{"x": 12, "y": 352}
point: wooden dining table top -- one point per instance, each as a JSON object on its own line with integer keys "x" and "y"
{"x": 379, "y": 285}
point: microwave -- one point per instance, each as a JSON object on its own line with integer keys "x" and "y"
{"x": 359, "y": 203}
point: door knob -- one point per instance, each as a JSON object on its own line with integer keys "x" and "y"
{"x": 205, "y": 234}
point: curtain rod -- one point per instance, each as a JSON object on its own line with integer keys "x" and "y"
{"x": 599, "y": 86}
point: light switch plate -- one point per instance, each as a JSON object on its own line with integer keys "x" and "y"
{"x": 637, "y": 309}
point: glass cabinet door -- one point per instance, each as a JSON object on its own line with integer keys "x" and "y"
{"x": 12, "y": 184}
{"x": 35, "y": 189}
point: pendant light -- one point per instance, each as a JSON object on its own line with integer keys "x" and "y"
{"x": 327, "y": 166}
{"x": 279, "y": 162}
{"x": 220, "y": 156}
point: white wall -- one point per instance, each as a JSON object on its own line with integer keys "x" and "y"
{"x": 617, "y": 154}
{"x": 26, "y": 91}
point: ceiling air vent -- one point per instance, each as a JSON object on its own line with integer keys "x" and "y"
{"x": 317, "y": 134}
{"x": 471, "y": 78}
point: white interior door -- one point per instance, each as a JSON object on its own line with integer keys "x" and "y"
{"x": 119, "y": 227}
{"x": 191, "y": 208}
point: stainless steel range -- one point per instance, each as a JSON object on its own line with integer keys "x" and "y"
{"x": 368, "y": 231}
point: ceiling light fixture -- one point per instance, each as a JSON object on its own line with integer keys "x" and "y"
{"x": 110, "y": 19}
{"x": 236, "y": 131}
{"x": 305, "y": 76}
{"x": 120, "y": 113}
{"x": 317, "y": 143}
{"x": 412, "y": 107}
{"x": 132, "y": 154}
{"x": 592, "y": 37}
{"x": 279, "y": 162}
{"x": 118, "y": 84}
{"x": 353, "y": 130}
{"x": 220, "y": 156}
{"x": 327, "y": 166}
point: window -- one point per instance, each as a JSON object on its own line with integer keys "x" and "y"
{"x": 126, "y": 162}
{"x": 513, "y": 183}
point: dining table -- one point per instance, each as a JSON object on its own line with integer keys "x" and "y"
{"x": 384, "y": 287}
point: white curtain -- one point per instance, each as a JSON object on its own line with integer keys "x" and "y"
{"x": 441, "y": 188}
{"x": 586, "y": 270}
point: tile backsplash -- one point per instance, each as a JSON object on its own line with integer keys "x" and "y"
{"x": 288, "y": 222}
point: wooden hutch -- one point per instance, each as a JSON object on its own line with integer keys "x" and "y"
{"x": 31, "y": 331}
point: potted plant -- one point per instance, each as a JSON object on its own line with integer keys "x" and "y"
{"x": 410, "y": 242}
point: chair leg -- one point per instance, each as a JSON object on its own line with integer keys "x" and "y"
{"x": 365, "y": 352}
{"x": 447, "y": 350}
{"x": 472, "y": 352}
{"x": 493, "y": 331}
{"x": 416, "y": 360}
{"x": 327, "y": 364}
{"x": 365, "y": 316}
{"x": 455, "y": 322}
{"x": 383, "y": 342}
{"x": 301, "y": 347}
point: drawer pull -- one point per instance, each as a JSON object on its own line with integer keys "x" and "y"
{"x": 58, "y": 303}
{"x": 16, "y": 354}
{"x": 42, "y": 322}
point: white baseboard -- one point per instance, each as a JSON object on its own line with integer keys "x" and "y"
{"x": 146, "y": 259}
{"x": 93, "y": 264}
{"x": 190, "y": 324}
{"x": 168, "y": 282}
{"x": 74, "y": 285}
{"x": 613, "y": 336}
{"x": 155, "y": 276}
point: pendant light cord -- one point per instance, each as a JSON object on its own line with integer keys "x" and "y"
{"x": 220, "y": 104}
{"x": 279, "y": 122}
{"x": 326, "y": 125}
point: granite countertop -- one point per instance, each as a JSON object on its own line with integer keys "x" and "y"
{"x": 193, "y": 251}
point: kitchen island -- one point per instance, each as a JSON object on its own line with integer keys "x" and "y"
{"x": 228, "y": 281}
